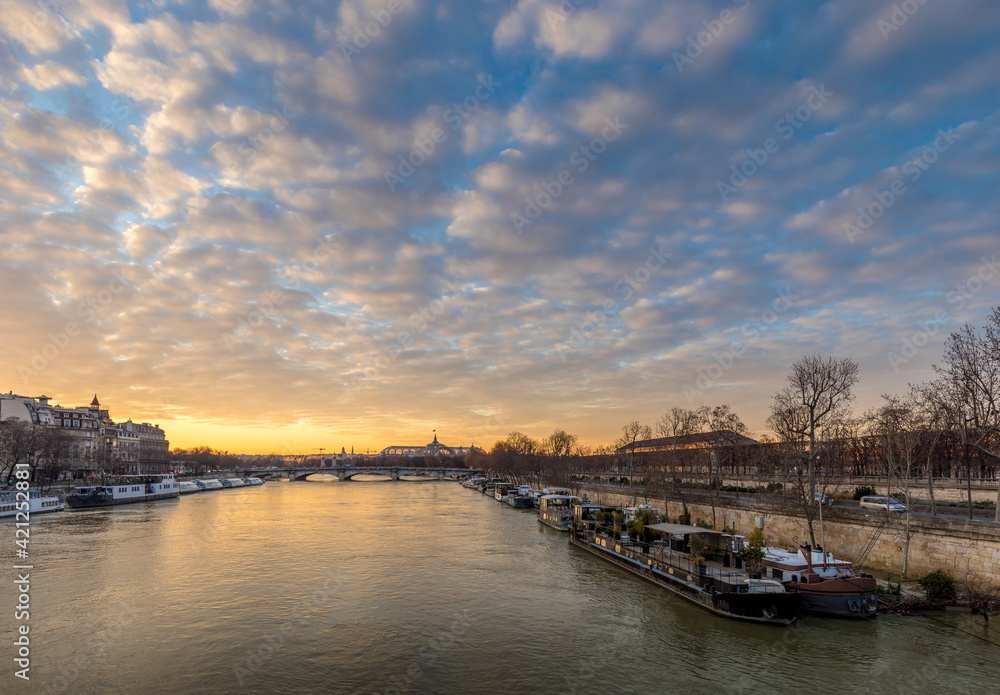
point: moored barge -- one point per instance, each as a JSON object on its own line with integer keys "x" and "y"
{"x": 715, "y": 585}
{"x": 124, "y": 489}
{"x": 828, "y": 586}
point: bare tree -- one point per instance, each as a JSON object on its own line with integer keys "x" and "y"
{"x": 895, "y": 425}
{"x": 935, "y": 415}
{"x": 676, "y": 423}
{"x": 559, "y": 443}
{"x": 50, "y": 456}
{"x": 18, "y": 443}
{"x": 631, "y": 433}
{"x": 971, "y": 373}
{"x": 516, "y": 457}
{"x": 819, "y": 390}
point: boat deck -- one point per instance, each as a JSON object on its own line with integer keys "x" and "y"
{"x": 663, "y": 559}
{"x": 719, "y": 589}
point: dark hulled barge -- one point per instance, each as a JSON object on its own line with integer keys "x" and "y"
{"x": 716, "y": 585}
{"x": 124, "y": 489}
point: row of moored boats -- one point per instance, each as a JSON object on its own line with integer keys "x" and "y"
{"x": 710, "y": 571}
{"x": 114, "y": 490}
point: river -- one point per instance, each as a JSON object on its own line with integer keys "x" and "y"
{"x": 415, "y": 587}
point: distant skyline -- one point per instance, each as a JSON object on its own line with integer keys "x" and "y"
{"x": 273, "y": 226}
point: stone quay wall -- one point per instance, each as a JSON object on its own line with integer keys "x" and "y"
{"x": 956, "y": 546}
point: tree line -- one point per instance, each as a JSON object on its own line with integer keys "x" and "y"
{"x": 948, "y": 426}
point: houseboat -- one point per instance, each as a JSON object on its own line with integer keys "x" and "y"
{"x": 708, "y": 581}
{"x": 186, "y": 487}
{"x": 124, "y": 489}
{"x": 472, "y": 482}
{"x": 556, "y": 491}
{"x": 232, "y": 482}
{"x": 500, "y": 490}
{"x": 208, "y": 484}
{"x": 828, "y": 586}
{"x": 556, "y": 511}
{"x": 520, "y": 497}
{"x": 649, "y": 510}
{"x": 587, "y": 514}
{"x": 30, "y": 502}
{"x": 253, "y": 480}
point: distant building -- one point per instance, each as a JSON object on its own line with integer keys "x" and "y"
{"x": 95, "y": 441}
{"x": 701, "y": 440}
{"x": 434, "y": 448}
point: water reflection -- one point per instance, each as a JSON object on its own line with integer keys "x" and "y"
{"x": 428, "y": 588}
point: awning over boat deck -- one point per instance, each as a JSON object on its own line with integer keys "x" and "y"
{"x": 681, "y": 529}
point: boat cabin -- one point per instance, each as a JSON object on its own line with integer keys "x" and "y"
{"x": 585, "y": 514}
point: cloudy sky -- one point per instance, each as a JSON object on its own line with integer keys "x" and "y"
{"x": 273, "y": 226}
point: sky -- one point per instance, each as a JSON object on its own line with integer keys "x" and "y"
{"x": 277, "y": 226}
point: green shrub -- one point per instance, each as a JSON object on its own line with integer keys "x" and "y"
{"x": 864, "y": 491}
{"x": 775, "y": 487}
{"x": 684, "y": 519}
{"x": 899, "y": 496}
{"x": 939, "y": 586}
{"x": 702, "y": 523}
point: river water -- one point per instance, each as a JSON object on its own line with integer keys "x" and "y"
{"x": 415, "y": 587}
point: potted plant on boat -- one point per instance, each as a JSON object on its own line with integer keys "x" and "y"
{"x": 618, "y": 518}
{"x": 697, "y": 556}
{"x": 752, "y": 553}
{"x": 643, "y": 534}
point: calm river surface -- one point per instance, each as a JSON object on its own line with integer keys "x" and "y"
{"x": 414, "y": 587}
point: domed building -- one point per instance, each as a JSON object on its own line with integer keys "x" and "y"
{"x": 434, "y": 448}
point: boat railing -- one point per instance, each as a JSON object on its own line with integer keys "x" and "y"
{"x": 664, "y": 559}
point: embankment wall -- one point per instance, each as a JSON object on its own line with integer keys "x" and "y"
{"x": 957, "y": 546}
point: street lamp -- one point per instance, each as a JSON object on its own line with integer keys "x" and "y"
{"x": 968, "y": 462}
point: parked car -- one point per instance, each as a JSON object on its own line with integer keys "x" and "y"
{"x": 885, "y": 503}
{"x": 823, "y": 499}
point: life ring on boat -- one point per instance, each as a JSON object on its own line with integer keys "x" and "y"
{"x": 853, "y": 605}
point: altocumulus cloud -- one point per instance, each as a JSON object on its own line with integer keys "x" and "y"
{"x": 195, "y": 157}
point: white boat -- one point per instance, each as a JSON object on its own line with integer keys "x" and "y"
{"x": 556, "y": 511}
{"x": 233, "y": 482}
{"x": 500, "y": 490}
{"x": 124, "y": 489}
{"x": 188, "y": 486}
{"x": 828, "y": 586}
{"x": 208, "y": 484}
{"x": 30, "y": 501}
{"x": 556, "y": 491}
{"x": 632, "y": 512}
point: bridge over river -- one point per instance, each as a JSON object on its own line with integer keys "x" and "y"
{"x": 346, "y": 473}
